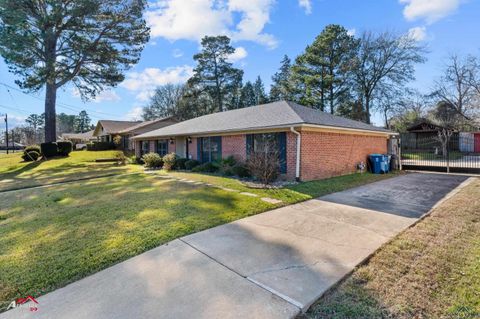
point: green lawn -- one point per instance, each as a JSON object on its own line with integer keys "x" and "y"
{"x": 52, "y": 236}
{"x": 432, "y": 270}
{"x": 14, "y": 173}
{"x": 431, "y": 156}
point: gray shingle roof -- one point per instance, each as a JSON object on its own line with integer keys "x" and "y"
{"x": 132, "y": 129}
{"x": 271, "y": 115}
{"x": 114, "y": 127}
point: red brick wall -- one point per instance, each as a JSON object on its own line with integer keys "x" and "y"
{"x": 192, "y": 149}
{"x": 291, "y": 155}
{"x": 235, "y": 145}
{"x": 325, "y": 155}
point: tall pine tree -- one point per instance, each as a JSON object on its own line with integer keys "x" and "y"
{"x": 88, "y": 43}
{"x": 214, "y": 74}
{"x": 324, "y": 70}
{"x": 281, "y": 88}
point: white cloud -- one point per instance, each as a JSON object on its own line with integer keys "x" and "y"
{"x": 109, "y": 96}
{"x": 418, "y": 33}
{"x": 430, "y": 10}
{"x": 177, "y": 53}
{"x": 239, "y": 54}
{"x": 306, "y": 5}
{"x": 352, "y": 32}
{"x": 145, "y": 82}
{"x": 192, "y": 20}
{"x": 135, "y": 114}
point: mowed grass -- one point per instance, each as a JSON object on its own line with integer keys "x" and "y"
{"x": 430, "y": 271}
{"x": 292, "y": 193}
{"x": 15, "y": 174}
{"x": 52, "y": 236}
{"x": 55, "y": 235}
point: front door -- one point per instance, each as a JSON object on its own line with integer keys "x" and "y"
{"x": 180, "y": 147}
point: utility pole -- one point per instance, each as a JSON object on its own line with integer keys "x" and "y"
{"x": 6, "y": 130}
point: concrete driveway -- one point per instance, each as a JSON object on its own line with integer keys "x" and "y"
{"x": 272, "y": 265}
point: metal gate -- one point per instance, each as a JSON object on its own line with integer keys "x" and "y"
{"x": 457, "y": 153}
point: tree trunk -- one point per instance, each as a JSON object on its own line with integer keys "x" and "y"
{"x": 50, "y": 113}
{"x": 367, "y": 108}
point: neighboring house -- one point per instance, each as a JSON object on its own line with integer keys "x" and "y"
{"x": 106, "y": 130}
{"x": 312, "y": 144}
{"x": 78, "y": 138}
{"x": 423, "y": 135}
{"x": 141, "y": 128}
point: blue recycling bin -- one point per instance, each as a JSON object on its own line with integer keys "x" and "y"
{"x": 380, "y": 163}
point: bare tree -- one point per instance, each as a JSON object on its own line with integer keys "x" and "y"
{"x": 457, "y": 85}
{"x": 264, "y": 164}
{"x": 164, "y": 101}
{"x": 387, "y": 58}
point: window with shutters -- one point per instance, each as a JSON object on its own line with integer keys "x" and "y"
{"x": 269, "y": 143}
{"x": 210, "y": 148}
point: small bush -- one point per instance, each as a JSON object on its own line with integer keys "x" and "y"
{"x": 226, "y": 164}
{"x": 265, "y": 165}
{"x": 49, "y": 149}
{"x": 241, "y": 171}
{"x": 190, "y": 164}
{"x": 35, "y": 148}
{"x": 64, "y": 148}
{"x": 180, "y": 163}
{"x": 30, "y": 156}
{"x": 121, "y": 159}
{"x": 208, "y": 167}
{"x": 100, "y": 146}
{"x": 169, "y": 161}
{"x": 152, "y": 160}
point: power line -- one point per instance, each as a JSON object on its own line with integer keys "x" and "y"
{"x": 59, "y": 104}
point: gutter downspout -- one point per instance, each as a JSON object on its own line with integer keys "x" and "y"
{"x": 297, "y": 163}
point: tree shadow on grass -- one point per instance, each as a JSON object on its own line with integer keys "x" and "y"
{"x": 74, "y": 230}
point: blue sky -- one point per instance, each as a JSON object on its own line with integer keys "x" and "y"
{"x": 262, "y": 31}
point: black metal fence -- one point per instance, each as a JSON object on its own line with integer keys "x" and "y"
{"x": 459, "y": 152}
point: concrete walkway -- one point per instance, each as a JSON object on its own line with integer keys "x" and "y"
{"x": 272, "y": 265}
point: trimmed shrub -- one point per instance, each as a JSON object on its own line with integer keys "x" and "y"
{"x": 30, "y": 156}
{"x": 225, "y": 165}
{"x": 64, "y": 148}
{"x": 190, "y": 164}
{"x": 180, "y": 163}
{"x": 208, "y": 167}
{"x": 152, "y": 160}
{"x": 100, "y": 146}
{"x": 49, "y": 149}
{"x": 169, "y": 161}
{"x": 35, "y": 148}
{"x": 241, "y": 171}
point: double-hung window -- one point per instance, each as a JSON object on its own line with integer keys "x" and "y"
{"x": 161, "y": 147}
{"x": 210, "y": 148}
{"x": 145, "y": 147}
{"x": 269, "y": 143}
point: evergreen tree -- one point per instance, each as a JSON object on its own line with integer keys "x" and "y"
{"x": 248, "y": 97}
{"x": 281, "y": 88}
{"x": 82, "y": 122}
{"x": 259, "y": 89}
{"x": 324, "y": 70}
{"x": 89, "y": 43}
{"x": 65, "y": 123}
{"x": 214, "y": 75}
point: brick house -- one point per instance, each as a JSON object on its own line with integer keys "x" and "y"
{"x": 312, "y": 144}
{"x": 106, "y": 130}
